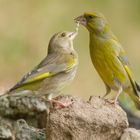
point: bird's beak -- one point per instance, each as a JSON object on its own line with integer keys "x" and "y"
{"x": 72, "y": 35}
{"x": 81, "y": 19}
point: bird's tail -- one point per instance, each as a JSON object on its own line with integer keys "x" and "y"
{"x": 137, "y": 86}
{"x": 135, "y": 99}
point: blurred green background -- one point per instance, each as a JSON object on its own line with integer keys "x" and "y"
{"x": 26, "y": 27}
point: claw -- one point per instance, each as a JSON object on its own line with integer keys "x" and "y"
{"x": 113, "y": 102}
{"x": 58, "y": 105}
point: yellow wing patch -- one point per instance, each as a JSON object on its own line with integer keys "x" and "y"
{"x": 129, "y": 74}
{"x": 48, "y": 74}
{"x": 132, "y": 81}
{"x": 40, "y": 77}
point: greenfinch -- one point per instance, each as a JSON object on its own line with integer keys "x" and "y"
{"x": 54, "y": 72}
{"x": 108, "y": 57}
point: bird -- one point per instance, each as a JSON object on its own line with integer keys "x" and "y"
{"x": 54, "y": 72}
{"x": 109, "y": 57}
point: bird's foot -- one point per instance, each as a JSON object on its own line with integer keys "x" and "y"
{"x": 59, "y": 105}
{"x": 113, "y": 102}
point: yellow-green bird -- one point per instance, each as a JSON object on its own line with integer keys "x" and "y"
{"x": 108, "y": 57}
{"x": 54, "y": 72}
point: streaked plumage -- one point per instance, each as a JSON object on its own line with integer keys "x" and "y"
{"x": 108, "y": 56}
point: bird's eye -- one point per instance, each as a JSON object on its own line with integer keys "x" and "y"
{"x": 63, "y": 34}
{"x": 90, "y": 17}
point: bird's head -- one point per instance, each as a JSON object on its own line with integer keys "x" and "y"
{"x": 93, "y": 21}
{"x": 62, "y": 41}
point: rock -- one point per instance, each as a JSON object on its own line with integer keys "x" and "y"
{"x": 96, "y": 119}
{"x": 131, "y": 134}
{"x": 19, "y": 130}
{"x": 5, "y": 129}
{"x": 23, "y": 106}
{"x": 26, "y": 132}
{"x": 23, "y": 118}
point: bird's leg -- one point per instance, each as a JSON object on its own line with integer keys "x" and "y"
{"x": 116, "y": 98}
{"x": 119, "y": 92}
{"x": 108, "y": 90}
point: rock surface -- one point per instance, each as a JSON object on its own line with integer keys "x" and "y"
{"x": 96, "y": 119}
{"x": 131, "y": 134}
{"x": 22, "y": 106}
{"x": 20, "y": 118}
{"x": 26, "y": 118}
{"x": 19, "y": 130}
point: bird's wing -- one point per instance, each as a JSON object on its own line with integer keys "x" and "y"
{"x": 50, "y": 66}
{"x": 124, "y": 61}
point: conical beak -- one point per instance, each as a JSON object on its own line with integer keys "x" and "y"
{"x": 81, "y": 19}
{"x": 72, "y": 35}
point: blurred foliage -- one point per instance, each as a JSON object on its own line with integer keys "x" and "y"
{"x": 26, "y": 27}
